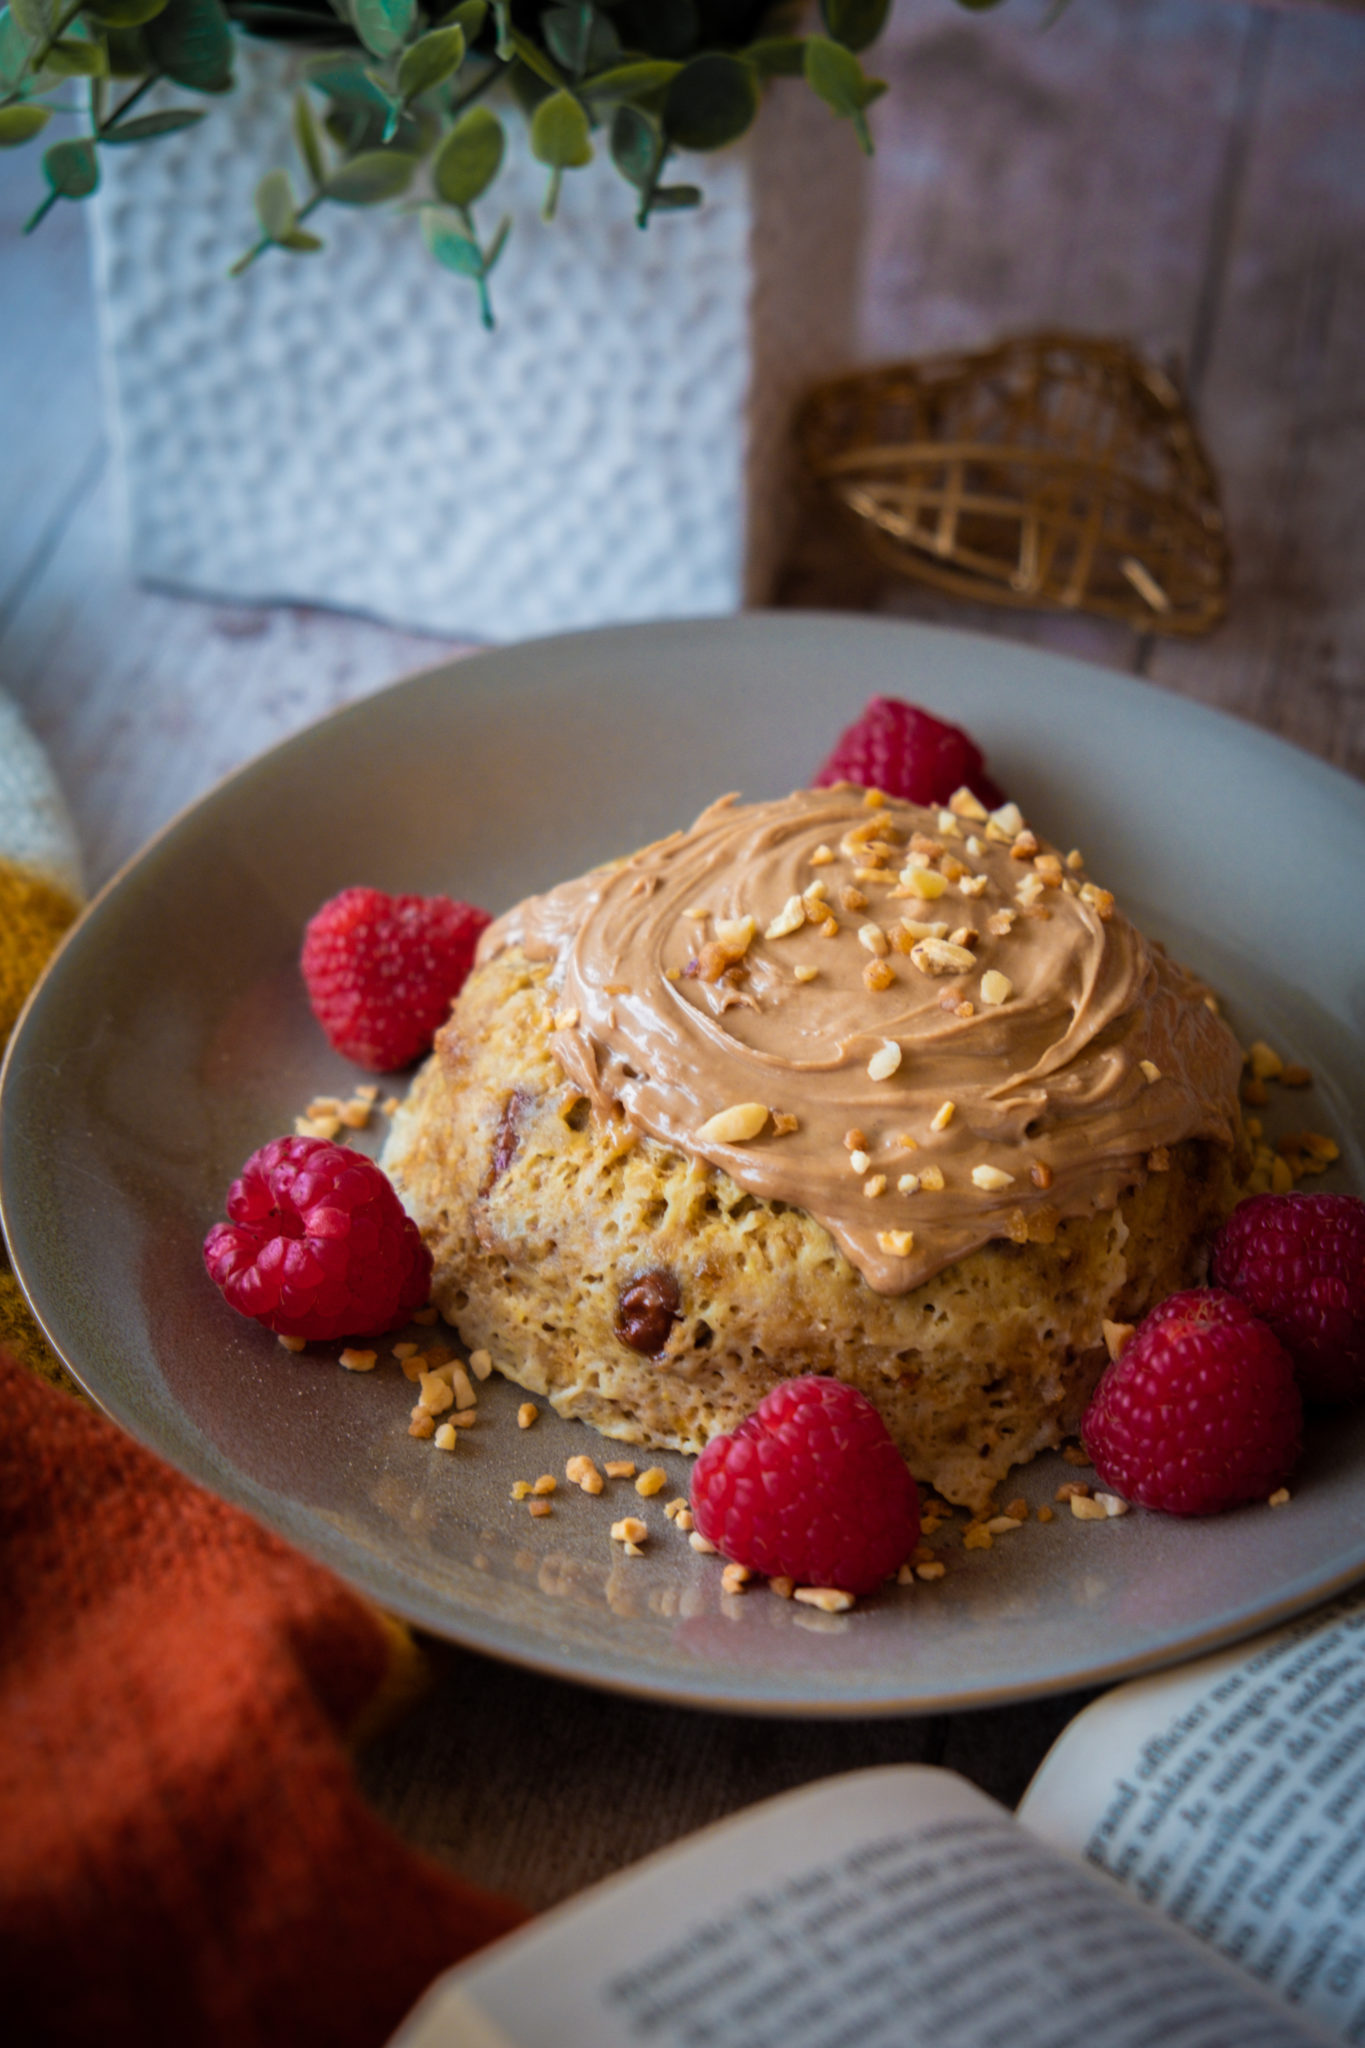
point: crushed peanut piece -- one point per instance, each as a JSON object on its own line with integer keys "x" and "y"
{"x": 684, "y": 1521}
{"x": 789, "y": 919}
{"x": 1073, "y": 1489}
{"x": 1151, "y": 1071}
{"x": 735, "y": 1578}
{"x": 651, "y": 1482}
{"x": 829, "y": 1599}
{"x": 937, "y": 956}
{"x": 964, "y": 805}
{"x": 996, "y": 988}
{"x": 897, "y": 1244}
{"x": 437, "y": 1393}
{"x": 930, "y": 1571}
{"x": 875, "y": 1186}
{"x": 925, "y": 883}
{"x": 1045, "y": 1514}
{"x": 734, "y": 1126}
{"x": 701, "y": 1544}
{"x": 783, "y": 1587}
{"x": 1264, "y": 1061}
{"x": 630, "y": 1529}
{"x": 736, "y": 935}
{"x": 565, "y": 1020}
{"x": 908, "y": 1184}
{"x": 1279, "y": 1498}
{"x": 877, "y": 976}
{"x": 805, "y": 972}
{"x": 300, "y": 1343}
{"x": 1018, "y": 1508}
{"x": 1159, "y": 1159}
{"x": 859, "y": 1161}
{"x": 978, "y": 1537}
{"x": 480, "y": 1364}
{"x": 822, "y": 856}
{"x": 942, "y": 1116}
{"x": 392, "y": 1104}
{"x": 965, "y": 936}
{"x": 873, "y": 938}
{"x": 447, "y": 1436}
{"x": 885, "y": 1061}
{"x": 784, "y": 1123}
{"x": 991, "y": 1178}
{"x": 853, "y": 899}
{"x": 1040, "y": 1173}
{"x": 580, "y": 1471}
{"x": 423, "y": 1423}
{"x": 620, "y": 1468}
{"x": 1072, "y": 1454}
{"x": 547, "y": 1483}
{"x": 1117, "y": 1337}
{"x": 932, "y": 1179}
{"x": 521, "y": 1489}
{"x": 906, "y": 1142}
{"x": 1000, "y": 1525}
{"x": 1101, "y": 901}
{"x": 539, "y": 1508}
{"x": 1113, "y": 1504}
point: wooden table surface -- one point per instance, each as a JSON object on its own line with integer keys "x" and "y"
{"x": 1189, "y": 174}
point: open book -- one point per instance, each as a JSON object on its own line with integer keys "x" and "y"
{"x": 1187, "y": 1869}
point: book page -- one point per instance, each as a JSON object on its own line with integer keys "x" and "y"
{"x": 879, "y": 1910}
{"x": 1231, "y": 1796}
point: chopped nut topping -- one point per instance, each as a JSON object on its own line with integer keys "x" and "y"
{"x": 1001, "y": 1525}
{"x": 734, "y": 1126}
{"x": 1045, "y": 1514}
{"x": 580, "y": 1471}
{"x": 784, "y": 1588}
{"x": 906, "y": 1142}
{"x": 1050, "y": 868}
{"x": 855, "y": 1140}
{"x": 933, "y": 1570}
{"x": 697, "y": 914}
{"x": 789, "y": 919}
{"x": 897, "y": 1244}
{"x": 951, "y": 868}
{"x": 908, "y": 1184}
{"x": 915, "y": 930}
{"x": 547, "y": 1483}
{"x": 925, "y": 883}
{"x": 527, "y": 1414}
{"x": 875, "y": 1186}
{"x": 683, "y": 1520}
{"x": 877, "y": 976}
{"x": 996, "y": 988}
{"x": 854, "y": 899}
{"x": 1112, "y": 1503}
{"x": 1031, "y": 888}
{"x": 1264, "y": 1061}
{"x": 1008, "y": 821}
{"x": 829, "y": 1599}
{"x": 1072, "y": 1454}
{"x": 822, "y": 856}
{"x": 991, "y": 1178}
{"x": 565, "y": 1020}
{"x": 937, "y": 956}
{"x": 1087, "y": 1510}
{"x": 620, "y": 1468}
{"x": 446, "y": 1437}
{"x": 1025, "y": 846}
{"x": 1159, "y": 1159}
{"x": 873, "y": 938}
{"x": 804, "y": 972}
{"x": 630, "y": 1529}
{"x": 974, "y": 885}
{"x": 701, "y": 1544}
{"x": 1040, "y": 1173}
{"x": 784, "y": 1123}
{"x": 423, "y": 1423}
{"x": 1150, "y": 1069}
{"x": 859, "y": 1161}
{"x": 1116, "y": 1336}
{"x": 965, "y": 936}
{"x": 964, "y": 805}
{"x": 873, "y": 800}
{"x": 932, "y": 1179}
{"x": 539, "y": 1508}
{"x": 673, "y": 1508}
{"x": 1101, "y": 901}
{"x": 1279, "y": 1498}
{"x": 651, "y": 1482}
{"x": 1073, "y": 1489}
{"x": 942, "y": 1116}
{"x": 830, "y": 928}
{"x": 885, "y": 1061}
{"x": 480, "y": 1364}
{"x": 736, "y": 934}
{"x": 977, "y": 1537}
{"x": 735, "y": 1578}
{"x": 437, "y": 1394}
{"x": 299, "y": 1344}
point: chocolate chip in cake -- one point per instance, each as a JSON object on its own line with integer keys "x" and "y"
{"x": 647, "y": 1310}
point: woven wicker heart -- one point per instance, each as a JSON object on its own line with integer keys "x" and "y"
{"x": 1051, "y": 472}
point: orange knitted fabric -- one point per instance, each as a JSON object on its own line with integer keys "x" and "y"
{"x": 184, "y": 1853}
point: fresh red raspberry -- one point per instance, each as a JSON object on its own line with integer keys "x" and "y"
{"x": 1299, "y": 1262}
{"x": 908, "y": 753}
{"x": 382, "y": 971}
{"x": 1199, "y": 1412}
{"x": 809, "y": 1488}
{"x": 318, "y": 1245}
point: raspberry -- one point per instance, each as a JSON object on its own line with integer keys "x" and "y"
{"x": 809, "y": 1488}
{"x": 907, "y": 753}
{"x": 1299, "y": 1262}
{"x": 382, "y": 971}
{"x": 1199, "y": 1412}
{"x": 318, "y": 1245}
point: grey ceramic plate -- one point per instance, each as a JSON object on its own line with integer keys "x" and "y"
{"x": 172, "y": 1037}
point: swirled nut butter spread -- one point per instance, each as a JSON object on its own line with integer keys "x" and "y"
{"x": 924, "y": 1027}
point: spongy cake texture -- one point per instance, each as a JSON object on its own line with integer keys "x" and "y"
{"x": 641, "y": 1289}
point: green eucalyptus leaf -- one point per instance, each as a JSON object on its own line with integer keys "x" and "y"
{"x": 190, "y": 41}
{"x": 275, "y": 208}
{"x": 432, "y": 58}
{"x": 635, "y": 81}
{"x": 855, "y": 23}
{"x": 559, "y": 133}
{"x": 37, "y": 18}
{"x": 340, "y": 78}
{"x": 711, "y": 101}
{"x": 637, "y": 147}
{"x": 307, "y": 140}
{"x": 778, "y": 56}
{"x": 300, "y": 241}
{"x": 73, "y": 58}
{"x": 580, "y": 37}
{"x": 147, "y": 127}
{"x": 535, "y": 59}
{"x": 14, "y": 50}
{"x": 72, "y": 168}
{"x": 21, "y": 124}
{"x": 383, "y": 25}
{"x": 470, "y": 15}
{"x": 470, "y": 157}
{"x": 838, "y": 77}
{"x": 674, "y": 198}
{"x": 124, "y": 13}
{"x": 372, "y": 177}
{"x": 446, "y": 238}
